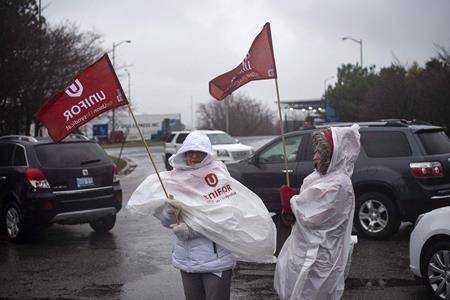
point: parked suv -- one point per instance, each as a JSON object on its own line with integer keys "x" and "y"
{"x": 403, "y": 170}
{"x": 227, "y": 148}
{"x": 42, "y": 182}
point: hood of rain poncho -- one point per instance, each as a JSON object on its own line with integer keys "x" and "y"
{"x": 313, "y": 259}
{"x": 346, "y": 149}
{"x": 195, "y": 141}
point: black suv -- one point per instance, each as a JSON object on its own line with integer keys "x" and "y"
{"x": 42, "y": 182}
{"x": 403, "y": 170}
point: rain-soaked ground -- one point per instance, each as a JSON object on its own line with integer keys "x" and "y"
{"x": 133, "y": 261}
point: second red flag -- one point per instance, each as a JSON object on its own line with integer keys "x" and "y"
{"x": 259, "y": 63}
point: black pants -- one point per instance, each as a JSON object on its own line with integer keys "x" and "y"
{"x": 206, "y": 286}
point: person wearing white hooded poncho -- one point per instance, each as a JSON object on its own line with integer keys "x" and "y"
{"x": 313, "y": 259}
{"x": 215, "y": 219}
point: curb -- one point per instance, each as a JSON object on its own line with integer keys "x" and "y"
{"x": 129, "y": 167}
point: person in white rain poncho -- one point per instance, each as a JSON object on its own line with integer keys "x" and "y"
{"x": 215, "y": 219}
{"x": 312, "y": 262}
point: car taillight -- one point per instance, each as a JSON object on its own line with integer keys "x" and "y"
{"x": 426, "y": 169}
{"x": 116, "y": 174}
{"x": 47, "y": 205}
{"x": 118, "y": 197}
{"x": 37, "y": 179}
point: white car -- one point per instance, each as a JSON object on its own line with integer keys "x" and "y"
{"x": 227, "y": 148}
{"x": 429, "y": 251}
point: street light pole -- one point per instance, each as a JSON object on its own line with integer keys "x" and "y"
{"x": 360, "y": 42}
{"x": 114, "y": 65}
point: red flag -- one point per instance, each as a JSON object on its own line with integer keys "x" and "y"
{"x": 259, "y": 63}
{"x": 94, "y": 91}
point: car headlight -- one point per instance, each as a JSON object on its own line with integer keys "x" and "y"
{"x": 222, "y": 153}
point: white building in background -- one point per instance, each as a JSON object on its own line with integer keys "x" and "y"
{"x": 149, "y": 124}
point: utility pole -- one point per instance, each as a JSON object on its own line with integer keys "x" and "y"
{"x": 114, "y": 66}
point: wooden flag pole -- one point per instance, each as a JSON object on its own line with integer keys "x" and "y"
{"x": 148, "y": 151}
{"x": 282, "y": 135}
{"x": 121, "y": 150}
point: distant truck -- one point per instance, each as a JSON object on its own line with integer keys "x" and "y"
{"x": 100, "y": 134}
{"x": 164, "y": 133}
{"x": 117, "y": 136}
{"x": 227, "y": 148}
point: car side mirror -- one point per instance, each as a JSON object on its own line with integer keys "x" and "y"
{"x": 254, "y": 160}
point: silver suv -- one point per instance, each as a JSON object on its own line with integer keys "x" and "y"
{"x": 227, "y": 148}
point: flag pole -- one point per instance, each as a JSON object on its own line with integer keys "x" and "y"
{"x": 282, "y": 134}
{"x": 148, "y": 151}
{"x": 121, "y": 150}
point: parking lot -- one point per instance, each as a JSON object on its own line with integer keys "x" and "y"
{"x": 133, "y": 261}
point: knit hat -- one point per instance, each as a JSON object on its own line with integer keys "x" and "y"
{"x": 329, "y": 137}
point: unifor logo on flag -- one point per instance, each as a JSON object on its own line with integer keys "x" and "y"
{"x": 94, "y": 91}
{"x": 75, "y": 89}
{"x": 259, "y": 63}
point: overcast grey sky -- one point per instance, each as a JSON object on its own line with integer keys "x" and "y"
{"x": 178, "y": 46}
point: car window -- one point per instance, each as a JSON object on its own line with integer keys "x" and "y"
{"x": 181, "y": 137}
{"x": 6, "y": 151}
{"x": 385, "y": 144}
{"x": 274, "y": 153}
{"x": 68, "y": 155}
{"x": 221, "y": 139}
{"x": 170, "y": 137}
{"x": 19, "y": 157}
{"x": 435, "y": 142}
{"x": 309, "y": 152}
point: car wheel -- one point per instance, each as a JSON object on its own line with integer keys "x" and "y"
{"x": 436, "y": 269}
{"x": 166, "y": 161}
{"x": 376, "y": 216}
{"x": 103, "y": 224}
{"x": 16, "y": 228}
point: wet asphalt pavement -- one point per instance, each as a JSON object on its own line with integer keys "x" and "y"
{"x": 133, "y": 260}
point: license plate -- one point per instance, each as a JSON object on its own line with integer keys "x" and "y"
{"x": 85, "y": 181}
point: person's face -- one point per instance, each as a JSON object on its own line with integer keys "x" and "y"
{"x": 194, "y": 157}
{"x": 316, "y": 159}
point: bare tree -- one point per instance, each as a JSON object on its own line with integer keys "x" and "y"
{"x": 36, "y": 60}
{"x": 246, "y": 116}
{"x": 67, "y": 52}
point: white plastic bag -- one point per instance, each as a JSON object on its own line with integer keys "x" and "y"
{"x": 215, "y": 205}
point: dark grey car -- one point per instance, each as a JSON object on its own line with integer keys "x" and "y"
{"x": 403, "y": 170}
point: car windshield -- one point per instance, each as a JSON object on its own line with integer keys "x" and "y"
{"x": 221, "y": 139}
{"x": 435, "y": 142}
{"x": 67, "y": 155}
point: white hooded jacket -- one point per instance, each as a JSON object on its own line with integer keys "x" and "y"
{"x": 215, "y": 206}
{"x": 312, "y": 261}
{"x": 199, "y": 254}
